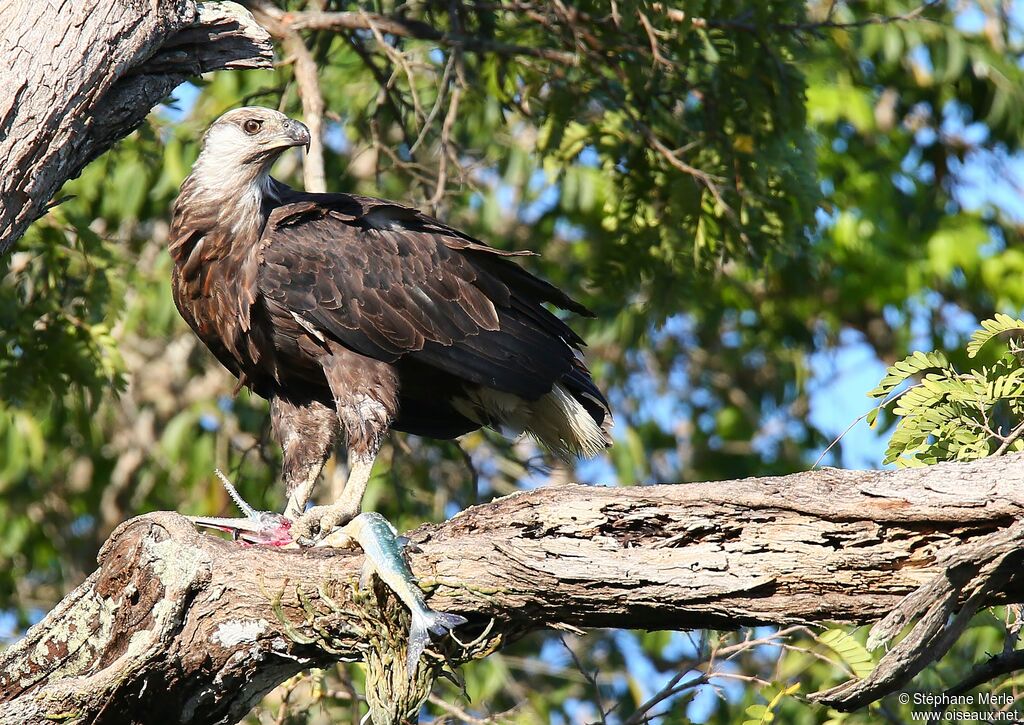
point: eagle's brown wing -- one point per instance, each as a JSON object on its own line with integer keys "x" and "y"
{"x": 391, "y": 283}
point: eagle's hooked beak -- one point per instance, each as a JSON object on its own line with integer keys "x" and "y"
{"x": 296, "y": 133}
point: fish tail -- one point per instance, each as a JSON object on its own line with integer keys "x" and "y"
{"x": 423, "y": 623}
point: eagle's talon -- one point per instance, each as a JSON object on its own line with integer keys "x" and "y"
{"x": 318, "y": 522}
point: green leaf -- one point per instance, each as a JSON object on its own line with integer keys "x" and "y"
{"x": 991, "y": 328}
{"x": 850, "y": 651}
{"x": 757, "y": 714}
{"x": 911, "y": 365}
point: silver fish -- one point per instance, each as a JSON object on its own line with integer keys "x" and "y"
{"x": 380, "y": 544}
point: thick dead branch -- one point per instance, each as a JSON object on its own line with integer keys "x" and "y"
{"x": 81, "y": 75}
{"x": 175, "y": 621}
{"x": 973, "y": 576}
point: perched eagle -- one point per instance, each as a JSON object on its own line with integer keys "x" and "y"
{"x": 354, "y": 315}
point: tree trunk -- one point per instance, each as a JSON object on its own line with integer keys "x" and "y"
{"x": 81, "y": 74}
{"x": 179, "y": 623}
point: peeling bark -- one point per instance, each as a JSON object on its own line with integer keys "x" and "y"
{"x": 81, "y": 74}
{"x": 175, "y": 622}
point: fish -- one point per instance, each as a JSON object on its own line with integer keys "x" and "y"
{"x": 382, "y": 548}
{"x": 259, "y": 528}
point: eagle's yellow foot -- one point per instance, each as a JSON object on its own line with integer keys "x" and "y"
{"x": 319, "y": 521}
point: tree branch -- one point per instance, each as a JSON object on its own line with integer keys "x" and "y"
{"x": 406, "y": 28}
{"x": 314, "y": 176}
{"x": 175, "y": 620}
{"x": 812, "y": 26}
{"x": 81, "y": 75}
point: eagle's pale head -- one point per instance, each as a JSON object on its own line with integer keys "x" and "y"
{"x": 245, "y": 142}
{"x": 253, "y": 135}
{"x": 231, "y": 178}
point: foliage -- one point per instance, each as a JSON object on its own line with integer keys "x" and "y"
{"x": 762, "y": 714}
{"x": 741, "y": 191}
{"x": 948, "y": 415}
{"x": 852, "y": 652}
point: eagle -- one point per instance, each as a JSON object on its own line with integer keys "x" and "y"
{"x": 354, "y": 315}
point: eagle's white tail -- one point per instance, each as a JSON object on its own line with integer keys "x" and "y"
{"x": 561, "y": 423}
{"x": 568, "y": 424}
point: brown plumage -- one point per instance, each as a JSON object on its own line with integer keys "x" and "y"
{"x": 354, "y": 315}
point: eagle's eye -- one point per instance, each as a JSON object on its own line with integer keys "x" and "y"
{"x": 252, "y": 126}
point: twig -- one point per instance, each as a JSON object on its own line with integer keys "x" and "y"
{"x": 398, "y": 58}
{"x": 859, "y": 418}
{"x": 1000, "y": 664}
{"x": 591, "y": 678}
{"x": 466, "y": 717}
{"x": 360, "y": 20}
{"x": 442, "y": 89}
{"x": 385, "y": 87}
{"x": 672, "y": 687}
{"x": 809, "y": 27}
{"x": 446, "y": 133}
{"x": 1008, "y": 441}
{"x": 286, "y": 696}
{"x": 474, "y": 474}
{"x": 314, "y": 176}
{"x": 704, "y": 178}
{"x": 653, "y": 40}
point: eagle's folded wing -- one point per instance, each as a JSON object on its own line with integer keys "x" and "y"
{"x": 388, "y": 282}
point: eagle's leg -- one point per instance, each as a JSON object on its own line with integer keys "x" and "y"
{"x": 366, "y": 395}
{"x": 307, "y": 432}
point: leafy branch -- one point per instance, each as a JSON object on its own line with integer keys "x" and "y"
{"x": 949, "y": 415}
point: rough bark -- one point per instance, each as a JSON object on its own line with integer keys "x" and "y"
{"x": 175, "y": 622}
{"x": 81, "y": 74}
